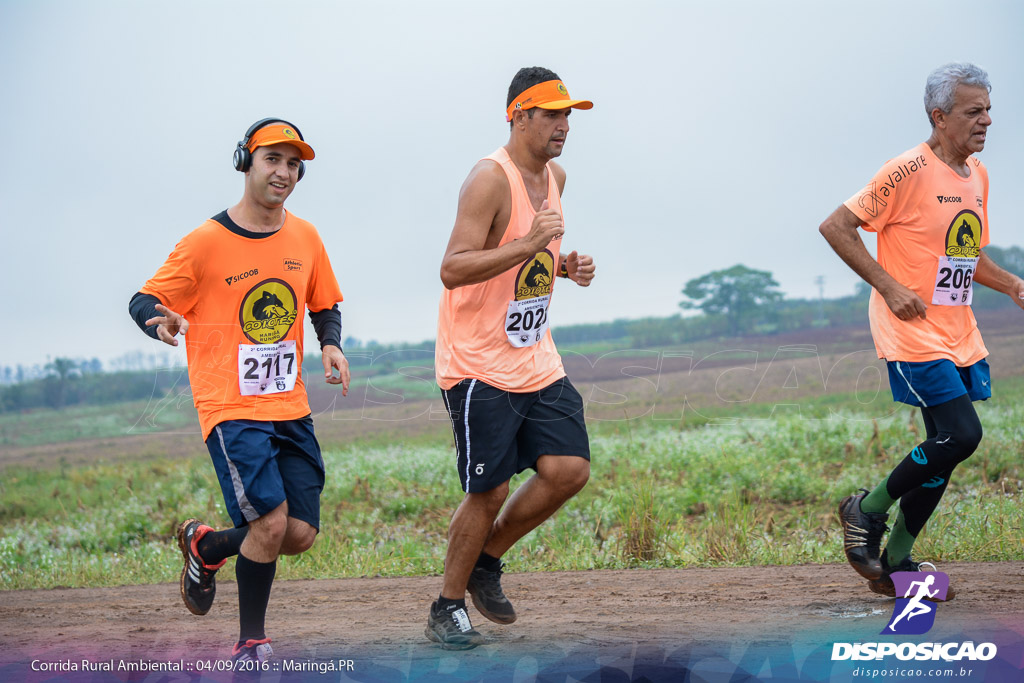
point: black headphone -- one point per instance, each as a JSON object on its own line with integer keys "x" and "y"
{"x": 243, "y": 157}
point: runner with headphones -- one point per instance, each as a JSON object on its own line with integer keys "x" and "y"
{"x": 236, "y": 288}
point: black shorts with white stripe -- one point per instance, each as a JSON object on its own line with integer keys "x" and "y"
{"x": 501, "y": 433}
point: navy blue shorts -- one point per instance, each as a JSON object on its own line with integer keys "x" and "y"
{"x": 263, "y": 464}
{"x": 935, "y": 382}
{"x": 501, "y": 433}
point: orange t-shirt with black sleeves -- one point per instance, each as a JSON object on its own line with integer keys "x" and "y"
{"x": 496, "y": 331}
{"x": 244, "y": 299}
{"x": 931, "y": 225}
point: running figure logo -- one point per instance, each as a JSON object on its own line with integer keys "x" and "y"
{"x": 911, "y": 615}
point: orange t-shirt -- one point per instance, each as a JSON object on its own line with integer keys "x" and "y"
{"x": 931, "y": 226}
{"x": 497, "y": 331}
{"x": 244, "y": 299}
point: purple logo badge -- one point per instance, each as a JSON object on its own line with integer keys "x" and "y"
{"x": 914, "y": 612}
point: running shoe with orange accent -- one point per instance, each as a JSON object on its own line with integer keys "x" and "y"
{"x": 256, "y": 651}
{"x": 198, "y": 586}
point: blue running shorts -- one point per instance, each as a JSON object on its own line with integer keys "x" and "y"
{"x": 935, "y": 382}
{"x": 262, "y": 464}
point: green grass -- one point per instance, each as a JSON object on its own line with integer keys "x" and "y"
{"x": 412, "y": 383}
{"x": 40, "y": 426}
{"x": 752, "y": 492}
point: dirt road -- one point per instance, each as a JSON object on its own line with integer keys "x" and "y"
{"x": 771, "y": 623}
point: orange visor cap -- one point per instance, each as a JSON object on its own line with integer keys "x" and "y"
{"x": 546, "y": 95}
{"x": 272, "y": 135}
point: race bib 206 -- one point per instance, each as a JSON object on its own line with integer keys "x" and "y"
{"x": 953, "y": 281}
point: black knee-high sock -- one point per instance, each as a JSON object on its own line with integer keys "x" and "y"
{"x": 957, "y": 432}
{"x": 216, "y": 546}
{"x": 254, "y": 582}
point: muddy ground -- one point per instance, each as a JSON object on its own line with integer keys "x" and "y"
{"x": 728, "y": 624}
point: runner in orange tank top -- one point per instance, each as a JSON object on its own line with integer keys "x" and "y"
{"x": 929, "y": 207}
{"x": 511, "y": 406}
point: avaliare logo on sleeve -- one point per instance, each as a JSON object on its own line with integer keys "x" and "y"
{"x": 963, "y": 239}
{"x": 268, "y": 311}
{"x": 535, "y": 276}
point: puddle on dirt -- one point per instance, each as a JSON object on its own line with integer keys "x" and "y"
{"x": 849, "y": 611}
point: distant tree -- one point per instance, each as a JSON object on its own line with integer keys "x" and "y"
{"x": 1010, "y": 258}
{"x": 62, "y": 367}
{"x": 737, "y": 293}
{"x": 13, "y": 397}
{"x": 648, "y": 332}
{"x": 60, "y": 371}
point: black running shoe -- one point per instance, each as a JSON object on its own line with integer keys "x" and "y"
{"x": 452, "y": 629}
{"x": 862, "y": 536}
{"x": 198, "y": 586}
{"x": 485, "y": 589}
{"x": 884, "y": 585}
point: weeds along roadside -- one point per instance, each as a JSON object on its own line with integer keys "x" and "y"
{"x": 752, "y": 492}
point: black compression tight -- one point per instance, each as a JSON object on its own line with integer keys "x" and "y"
{"x": 954, "y": 432}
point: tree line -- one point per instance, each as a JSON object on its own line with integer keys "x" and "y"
{"x": 742, "y": 301}
{"x": 735, "y": 301}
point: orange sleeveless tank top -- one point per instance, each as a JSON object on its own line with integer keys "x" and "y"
{"x": 497, "y": 331}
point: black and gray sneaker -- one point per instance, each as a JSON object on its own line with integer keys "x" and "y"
{"x": 884, "y": 585}
{"x": 252, "y": 651}
{"x": 198, "y": 586}
{"x": 452, "y": 629}
{"x": 485, "y": 589}
{"x": 862, "y": 535}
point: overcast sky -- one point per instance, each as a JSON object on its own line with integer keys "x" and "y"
{"x": 722, "y": 133}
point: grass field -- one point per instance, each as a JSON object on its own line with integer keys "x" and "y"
{"x": 35, "y": 427}
{"x": 661, "y": 494}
